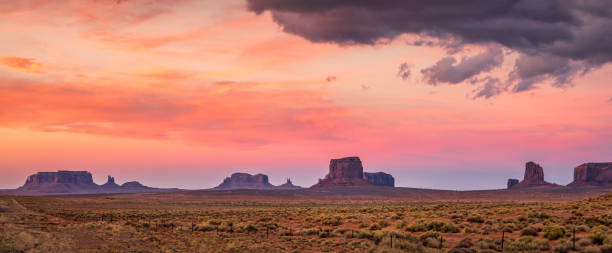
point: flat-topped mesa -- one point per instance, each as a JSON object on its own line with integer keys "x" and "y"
{"x": 380, "y": 179}
{"x": 512, "y": 182}
{"x": 534, "y": 177}
{"x": 58, "y": 182}
{"x": 592, "y": 174}
{"x": 245, "y": 181}
{"x": 346, "y": 171}
{"x": 133, "y": 184}
{"x": 61, "y": 177}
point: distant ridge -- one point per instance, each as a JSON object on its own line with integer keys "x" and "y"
{"x": 253, "y": 182}
{"x": 76, "y": 182}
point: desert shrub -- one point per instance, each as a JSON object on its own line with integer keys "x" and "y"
{"x": 250, "y": 228}
{"x": 470, "y": 230}
{"x": 563, "y": 247}
{"x": 432, "y": 243}
{"x": 475, "y": 219}
{"x": 606, "y": 248}
{"x": 527, "y": 244}
{"x": 398, "y": 216}
{"x": 326, "y": 233}
{"x": 591, "y": 249}
{"x": 204, "y": 227}
{"x": 375, "y": 226}
{"x": 383, "y": 223}
{"x": 465, "y": 243}
{"x": 529, "y": 231}
{"x": 449, "y": 228}
{"x": 402, "y": 224}
{"x": 332, "y": 221}
{"x": 8, "y": 249}
{"x": 486, "y": 243}
{"x": 598, "y": 235}
{"x": 417, "y": 227}
{"x": 309, "y": 231}
{"x": 365, "y": 235}
{"x": 429, "y": 234}
{"x": 439, "y": 226}
{"x": 554, "y": 232}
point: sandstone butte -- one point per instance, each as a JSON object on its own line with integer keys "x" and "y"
{"x": 348, "y": 171}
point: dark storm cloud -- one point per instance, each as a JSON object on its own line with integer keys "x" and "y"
{"x": 571, "y": 31}
{"x": 446, "y": 71}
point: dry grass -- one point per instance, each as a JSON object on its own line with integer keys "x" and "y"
{"x": 169, "y": 223}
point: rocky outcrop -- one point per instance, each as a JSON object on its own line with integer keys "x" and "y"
{"x": 245, "y": 181}
{"x": 534, "y": 177}
{"x": 534, "y": 174}
{"x": 59, "y": 182}
{"x": 380, "y": 179}
{"x": 592, "y": 174}
{"x": 512, "y": 182}
{"x": 288, "y": 186}
{"x": 76, "y": 182}
{"x": 346, "y": 171}
{"x": 132, "y": 184}
{"x": 110, "y": 183}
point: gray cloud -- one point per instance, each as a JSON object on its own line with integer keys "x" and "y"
{"x": 490, "y": 87}
{"x": 575, "y": 33}
{"x": 531, "y": 69}
{"x": 448, "y": 70}
{"x": 404, "y": 71}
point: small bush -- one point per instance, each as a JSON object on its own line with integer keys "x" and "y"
{"x": 554, "y": 232}
{"x": 529, "y": 231}
{"x": 563, "y": 247}
{"x": 598, "y": 235}
{"x": 475, "y": 219}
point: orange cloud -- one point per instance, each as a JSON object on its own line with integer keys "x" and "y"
{"x": 26, "y": 65}
{"x": 231, "y": 114}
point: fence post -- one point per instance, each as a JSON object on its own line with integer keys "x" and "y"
{"x": 502, "y": 242}
{"x": 391, "y": 240}
{"x": 574, "y": 238}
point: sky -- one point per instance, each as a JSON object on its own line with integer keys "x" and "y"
{"x": 441, "y": 94}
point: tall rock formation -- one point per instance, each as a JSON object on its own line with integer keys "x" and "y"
{"x": 592, "y": 174}
{"x": 110, "y": 183}
{"x": 512, "y": 182}
{"x": 346, "y": 171}
{"x": 534, "y": 177}
{"x": 380, "y": 179}
{"x": 245, "y": 181}
{"x": 288, "y": 186}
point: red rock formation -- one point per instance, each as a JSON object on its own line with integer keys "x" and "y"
{"x": 245, "y": 181}
{"x": 58, "y": 182}
{"x": 346, "y": 171}
{"x": 592, "y": 174}
{"x": 512, "y": 182}
{"x": 380, "y": 179}
{"x": 110, "y": 183}
{"x": 288, "y": 186}
{"x": 534, "y": 177}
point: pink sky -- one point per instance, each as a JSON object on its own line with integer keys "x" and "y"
{"x": 184, "y": 93}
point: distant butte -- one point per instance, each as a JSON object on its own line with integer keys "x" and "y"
{"x": 348, "y": 171}
{"x": 255, "y": 182}
{"x": 592, "y": 174}
{"x": 76, "y": 182}
{"x": 534, "y": 177}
